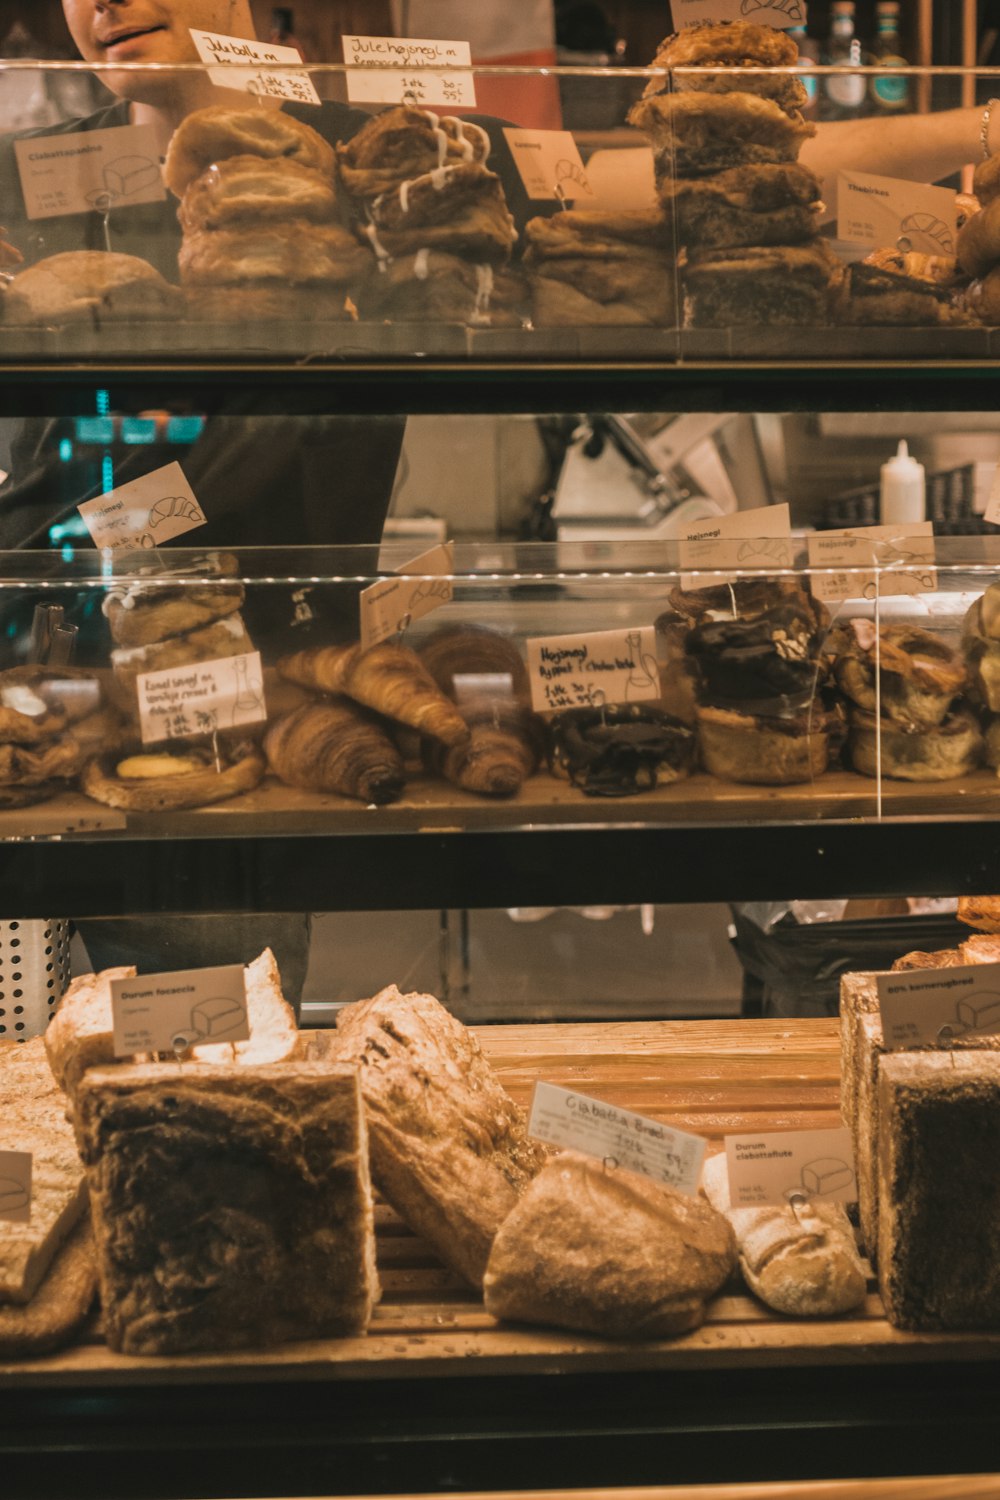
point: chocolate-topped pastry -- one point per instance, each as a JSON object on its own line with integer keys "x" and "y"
{"x": 775, "y": 203}
{"x": 768, "y": 663}
{"x": 621, "y": 749}
{"x": 724, "y": 50}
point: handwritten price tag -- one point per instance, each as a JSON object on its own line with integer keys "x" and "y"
{"x": 935, "y": 1007}
{"x": 171, "y": 1012}
{"x": 391, "y": 605}
{"x": 787, "y": 1165}
{"x": 616, "y": 1136}
{"x": 746, "y": 541}
{"x": 261, "y": 67}
{"x": 15, "y": 1187}
{"x": 391, "y": 70}
{"x": 780, "y": 14}
{"x": 201, "y": 698}
{"x": 581, "y": 671}
{"x": 905, "y": 562}
{"x": 89, "y": 170}
{"x": 892, "y": 212}
{"x": 144, "y": 512}
{"x": 549, "y": 164}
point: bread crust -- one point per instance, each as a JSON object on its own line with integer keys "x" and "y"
{"x": 60, "y": 1306}
{"x": 979, "y": 241}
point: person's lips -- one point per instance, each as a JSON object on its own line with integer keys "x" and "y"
{"x": 127, "y": 34}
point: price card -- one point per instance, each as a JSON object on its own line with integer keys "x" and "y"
{"x": 201, "y": 697}
{"x": 145, "y": 512}
{"x": 787, "y": 1165}
{"x": 89, "y": 170}
{"x": 408, "y": 70}
{"x": 585, "y": 671}
{"x": 15, "y": 1187}
{"x": 777, "y": 13}
{"x": 905, "y": 558}
{"x": 891, "y": 212}
{"x": 262, "y": 67}
{"x": 171, "y": 1012}
{"x": 746, "y": 540}
{"x": 390, "y": 605}
{"x": 549, "y": 164}
{"x": 617, "y": 1137}
{"x": 933, "y": 1007}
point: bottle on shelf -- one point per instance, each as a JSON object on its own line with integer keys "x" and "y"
{"x": 843, "y": 95}
{"x": 808, "y": 55}
{"x": 903, "y": 495}
{"x": 889, "y": 94}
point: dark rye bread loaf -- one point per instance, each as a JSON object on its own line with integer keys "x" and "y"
{"x": 939, "y": 1190}
{"x": 231, "y": 1205}
{"x": 448, "y": 1145}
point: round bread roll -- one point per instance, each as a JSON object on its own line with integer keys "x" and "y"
{"x": 251, "y": 188}
{"x": 950, "y": 749}
{"x": 760, "y": 751}
{"x": 219, "y": 132}
{"x": 979, "y": 241}
{"x": 90, "y": 286}
{"x": 296, "y": 252}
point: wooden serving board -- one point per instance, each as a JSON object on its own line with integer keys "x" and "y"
{"x": 710, "y": 1077}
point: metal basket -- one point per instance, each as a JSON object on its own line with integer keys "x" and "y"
{"x": 34, "y": 971}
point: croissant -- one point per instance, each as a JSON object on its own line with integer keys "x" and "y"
{"x": 475, "y": 651}
{"x": 335, "y": 747}
{"x": 505, "y": 745}
{"x": 388, "y": 678}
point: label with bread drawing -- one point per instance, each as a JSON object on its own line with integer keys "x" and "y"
{"x": 589, "y": 671}
{"x": 937, "y": 1007}
{"x": 172, "y": 1012}
{"x": 896, "y": 214}
{"x": 776, "y": 13}
{"x": 390, "y": 606}
{"x": 262, "y": 68}
{"x": 745, "y": 541}
{"x": 15, "y": 1187}
{"x": 549, "y": 164}
{"x": 789, "y": 1166}
{"x": 409, "y": 70}
{"x": 149, "y": 510}
{"x": 201, "y": 697}
{"x": 616, "y": 1137}
{"x": 89, "y": 170}
{"x": 903, "y": 556}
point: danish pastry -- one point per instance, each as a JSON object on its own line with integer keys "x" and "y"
{"x": 293, "y": 251}
{"x": 255, "y": 188}
{"x": 200, "y": 779}
{"x": 219, "y": 132}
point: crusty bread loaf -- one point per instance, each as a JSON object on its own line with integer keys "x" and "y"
{"x": 232, "y": 1206}
{"x": 81, "y": 1033}
{"x": 801, "y": 1261}
{"x": 59, "y": 1307}
{"x": 607, "y": 1252}
{"x": 33, "y": 1116}
{"x": 858, "y": 997}
{"x": 449, "y": 1148}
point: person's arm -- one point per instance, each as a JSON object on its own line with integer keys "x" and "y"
{"x": 923, "y": 148}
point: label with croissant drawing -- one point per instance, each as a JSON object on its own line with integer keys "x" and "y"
{"x": 390, "y": 606}
{"x": 842, "y": 560}
{"x": 900, "y": 215}
{"x": 586, "y": 671}
{"x": 409, "y": 70}
{"x": 201, "y": 697}
{"x": 747, "y": 541}
{"x": 616, "y": 1137}
{"x": 549, "y": 164}
{"x": 149, "y": 510}
{"x": 777, "y": 13}
{"x": 261, "y": 68}
{"x": 786, "y": 1167}
{"x": 15, "y": 1187}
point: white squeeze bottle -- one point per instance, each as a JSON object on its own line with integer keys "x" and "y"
{"x": 902, "y": 495}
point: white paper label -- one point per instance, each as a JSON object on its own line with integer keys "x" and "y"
{"x": 15, "y": 1187}
{"x": 905, "y": 558}
{"x": 390, "y": 70}
{"x": 549, "y": 164}
{"x": 587, "y": 671}
{"x": 145, "y": 512}
{"x": 992, "y": 512}
{"x": 932, "y": 1007}
{"x": 787, "y": 1165}
{"x": 895, "y": 214}
{"x": 261, "y": 67}
{"x": 391, "y": 605}
{"x": 89, "y": 170}
{"x": 746, "y": 539}
{"x": 617, "y": 1137}
{"x": 201, "y": 698}
{"x": 779, "y": 13}
{"x": 171, "y": 1012}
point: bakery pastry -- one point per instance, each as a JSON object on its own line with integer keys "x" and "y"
{"x": 213, "y": 135}
{"x": 473, "y": 659}
{"x": 767, "y": 663}
{"x": 696, "y": 133}
{"x": 620, "y": 749}
{"x": 463, "y": 211}
{"x": 595, "y": 234}
{"x": 60, "y": 1306}
{"x": 387, "y": 678}
{"x": 982, "y": 912}
{"x": 335, "y": 746}
{"x": 981, "y": 647}
{"x": 952, "y": 748}
{"x": 93, "y": 287}
{"x": 220, "y": 638}
{"x": 607, "y": 1252}
{"x": 941, "y": 958}
{"x": 293, "y": 251}
{"x": 909, "y": 675}
{"x": 592, "y": 267}
{"x": 448, "y": 1147}
{"x": 253, "y": 302}
{"x": 506, "y": 742}
{"x": 765, "y": 284}
{"x": 775, "y": 203}
{"x": 800, "y": 1259}
{"x": 157, "y": 604}
{"x": 170, "y": 779}
{"x": 434, "y": 286}
{"x": 721, "y": 52}
{"x": 399, "y": 144}
{"x": 232, "y": 1206}
{"x": 911, "y": 290}
{"x": 251, "y": 189}
{"x": 769, "y": 750}
{"x": 978, "y": 247}
{"x": 982, "y": 299}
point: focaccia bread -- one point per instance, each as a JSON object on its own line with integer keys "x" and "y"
{"x": 232, "y": 1206}
{"x": 213, "y": 135}
{"x": 449, "y": 1148}
{"x": 607, "y": 1252}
